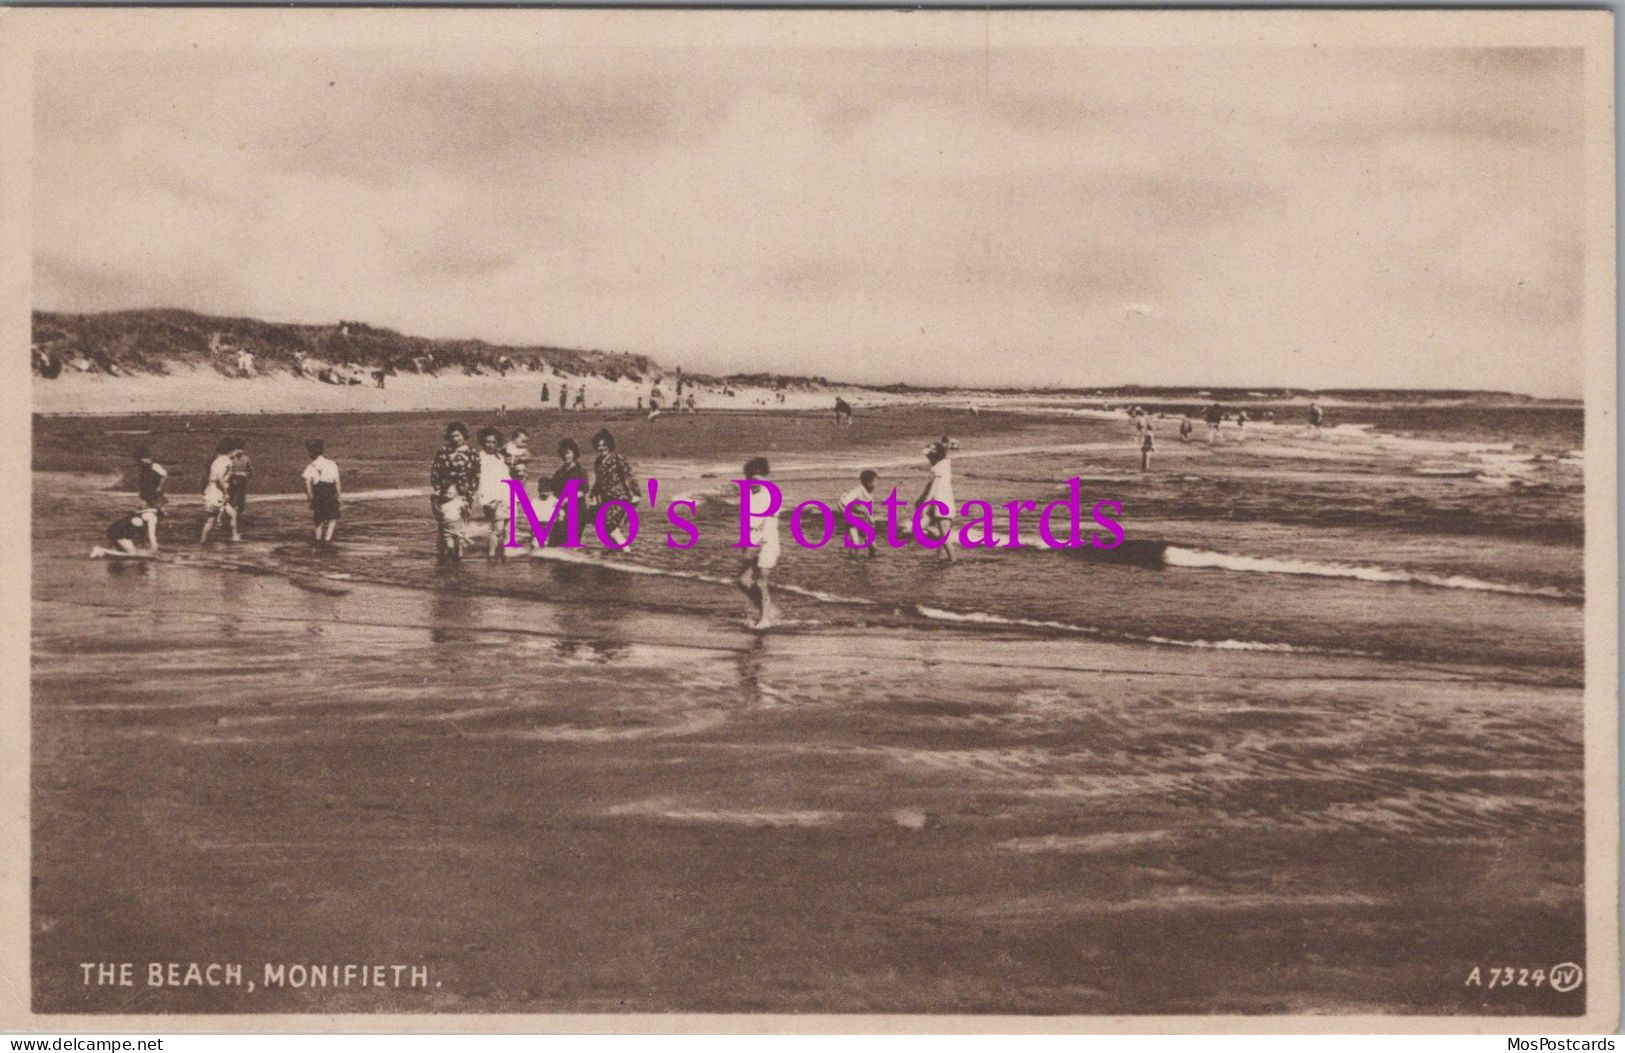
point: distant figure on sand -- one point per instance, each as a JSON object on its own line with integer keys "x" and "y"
{"x": 492, "y": 498}
{"x": 843, "y": 412}
{"x": 1185, "y": 428}
{"x": 1214, "y": 417}
{"x": 453, "y": 479}
{"x": 864, "y": 491}
{"x": 564, "y": 396}
{"x": 581, "y": 397}
{"x": 150, "y": 478}
{"x": 546, "y": 394}
{"x": 1317, "y": 417}
{"x": 1241, "y": 425}
{"x": 131, "y": 534}
{"x": 1148, "y": 444}
{"x": 217, "y": 507}
{"x": 763, "y": 555}
{"x": 939, "y": 488}
{"x": 321, "y": 478}
{"x": 612, "y": 481}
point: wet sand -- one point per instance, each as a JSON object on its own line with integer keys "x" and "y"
{"x": 568, "y": 807}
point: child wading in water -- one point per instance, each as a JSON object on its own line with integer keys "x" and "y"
{"x": 763, "y": 556}
{"x": 864, "y": 491}
{"x": 321, "y": 477}
{"x": 150, "y": 478}
{"x": 940, "y": 488}
{"x": 218, "y": 509}
{"x": 492, "y": 499}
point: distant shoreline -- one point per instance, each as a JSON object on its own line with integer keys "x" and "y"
{"x": 199, "y": 392}
{"x": 165, "y": 360}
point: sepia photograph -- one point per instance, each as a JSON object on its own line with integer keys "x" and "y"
{"x": 801, "y": 520}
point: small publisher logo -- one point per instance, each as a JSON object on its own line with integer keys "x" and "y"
{"x": 1566, "y": 977}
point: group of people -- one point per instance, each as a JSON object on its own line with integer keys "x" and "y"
{"x": 657, "y": 402}
{"x": 225, "y": 496}
{"x": 468, "y": 487}
{"x": 468, "y": 484}
{"x": 564, "y": 395}
{"x": 763, "y": 554}
{"x": 1214, "y": 416}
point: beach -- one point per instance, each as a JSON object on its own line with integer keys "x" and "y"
{"x": 1310, "y": 744}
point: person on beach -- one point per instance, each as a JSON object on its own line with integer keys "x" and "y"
{"x": 763, "y": 555}
{"x": 843, "y": 411}
{"x": 454, "y": 476}
{"x": 1148, "y": 444}
{"x": 581, "y": 397}
{"x": 551, "y": 488}
{"x": 492, "y": 499}
{"x": 131, "y": 534}
{"x": 1185, "y": 428}
{"x": 611, "y": 481}
{"x": 321, "y": 477}
{"x": 564, "y": 396}
{"x": 546, "y": 394}
{"x": 940, "y": 488}
{"x": 517, "y": 454}
{"x": 217, "y": 507}
{"x": 864, "y": 491}
{"x": 150, "y": 479}
{"x": 1241, "y": 425}
{"x": 237, "y": 487}
{"x": 570, "y": 468}
{"x": 691, "y": 400}
{"x": 1214, "y": 417}
{"x": 1317, "y": 417}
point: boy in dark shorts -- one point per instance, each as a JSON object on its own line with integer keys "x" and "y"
{"x": 321, "y": 478}
{"x": 150, "y": 478}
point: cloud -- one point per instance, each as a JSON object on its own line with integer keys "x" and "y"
{"x": 1302, "y": 217}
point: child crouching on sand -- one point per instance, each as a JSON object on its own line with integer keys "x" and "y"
{"x": 763, "y": 555}
{"x": 129, "y": 532}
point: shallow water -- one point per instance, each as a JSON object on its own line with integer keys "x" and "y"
{"x": 1332, "y": 758}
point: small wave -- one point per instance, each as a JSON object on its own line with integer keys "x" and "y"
{"x": 984, "y": 618}
{"x": 1176, "y": 556}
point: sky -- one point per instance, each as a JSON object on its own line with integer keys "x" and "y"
{"x": 1285, "y": 216}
